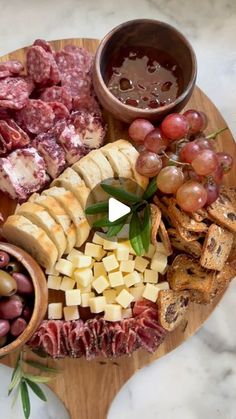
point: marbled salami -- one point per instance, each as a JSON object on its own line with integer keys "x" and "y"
{"x": 57, "y": 94}
{"x": 38, "y": 64}
{"x": 37, "y": 116}
{"x": 14, "y": 92}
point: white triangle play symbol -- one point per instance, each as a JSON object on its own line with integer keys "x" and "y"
{"x": 116, "y": 209}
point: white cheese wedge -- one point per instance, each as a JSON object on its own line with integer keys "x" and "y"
{"x": 113, "y": 313}
{"x": 55, "y": 311}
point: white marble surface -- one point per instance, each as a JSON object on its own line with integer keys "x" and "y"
{"x": 198, "y": 379}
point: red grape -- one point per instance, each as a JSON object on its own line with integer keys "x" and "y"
{"x": 139, "y": 128}
{"x": 169, "y": 179}
{"x": 191, "y": 196}
{"x": 189, "y": 152}
{"x": 213, "y": 192}
{"x": 217, "y": 175}
{"x": 175, "y": 126}
{"x": 190, "y": 174}
{"x": 148, "y": 164}
{"x": 197, "y": 121}
{"x": 204, "y": 143}
{"x": 155, "y": 141}
{"x": 205, "y": 162}
{"x": 225, "y": 161}
{"x": 169, "y": 158}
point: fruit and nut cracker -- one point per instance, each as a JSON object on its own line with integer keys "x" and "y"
{"x": 216, "y": 247}
{"x": 223, "y": 210}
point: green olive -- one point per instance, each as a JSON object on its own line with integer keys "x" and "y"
{"x": 13, "y": 266}
{"x": 8, "y": 285}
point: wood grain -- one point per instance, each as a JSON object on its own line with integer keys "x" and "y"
{"x": 87, "y": 388}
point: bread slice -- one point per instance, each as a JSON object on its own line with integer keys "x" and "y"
{"x": 71, "y": 181}
{"x": 60, "y": 216}
{"x": 216, "y": 247}
{"x": 119, "y": 162}
{"x": 172, "y": 308}
{"x": 104, "y": 166}
{"x": 40, "y": 217}
{"x": 21, "y": 232}
{"x": 73, "y": 208}
{"x": 91, "y": 175}
{"x": 193, "y": 248}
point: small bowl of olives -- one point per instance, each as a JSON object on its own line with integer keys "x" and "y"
{"x": 23, "y": 297}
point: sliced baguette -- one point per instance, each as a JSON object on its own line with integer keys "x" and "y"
{"x": 91, "y": 175}
{"x": 60, "y": 216}
{"x": 104, "y": 166}
{"x": 40, "y": 217}
{"x": 73, "y": 208}
{"x": 119, "y": 162}
{"x": 21, "y": 232}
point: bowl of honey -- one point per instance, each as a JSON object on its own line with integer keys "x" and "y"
{"x": 144, "y": 68}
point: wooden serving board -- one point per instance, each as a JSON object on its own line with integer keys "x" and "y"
{"x": 87, "y": 388}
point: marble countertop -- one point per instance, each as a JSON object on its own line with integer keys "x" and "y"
{"x": 198, "y": 379}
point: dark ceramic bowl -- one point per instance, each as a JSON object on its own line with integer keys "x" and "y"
{"x": 150, "y": 33}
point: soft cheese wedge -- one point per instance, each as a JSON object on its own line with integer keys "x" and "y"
{"x": 21, "y": 232}
{"x": 39, "y": 216}
{"x": 73, "y": 208}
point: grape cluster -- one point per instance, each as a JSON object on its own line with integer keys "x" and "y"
{"x": 182, "y": 158}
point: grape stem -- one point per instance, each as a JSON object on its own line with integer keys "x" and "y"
{"x": 214, "y": 134}
{"x": 174, "y": 161}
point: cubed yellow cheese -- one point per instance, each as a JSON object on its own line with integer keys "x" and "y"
{"x": 120, "y": 288}
{"x": 150, "y": 292}
{"x": 113, "y": 312}
{"x": 160, "y": 248}
{"x": 85, "y": 289}
{"x": 100, "y": 284}
{"x": 137, "y": 292}
{"x": 131, "y": 257}
{"x": 150, "y": 276}
{"x": 83, "y": 276}
{"x": 141, "y": 280}
{"x": 73, "y": 297}
{"x": 67, "y": 283}
{"x": 163, "y": 286}
{"x": 98, "y": 238}
{"x": 127, "y": 266}
{"x": 159, "y": 262}
{"x": 116, "y": 279}
{"x": 83, "y": 261}
{"x": 128, "y": 245}
{"x": 98, "y": 269}
{"x": 93, "y": 250}
{"x": 55, "y": 311}
{"x": 102, "y": 255}
{"x": 85, "y": 297}
{"x": 110, "y": 296}
{"x": 65, "y": 267}
{"x": 131, "y": 279}
{"x": 97, "y": 304}
{"x": 122, "y": 252}
{"x": 140, "y": 263}
{"x": 124, "y": 298}
{"x": 71, "y": 313}
{"x": 127, "y": 313}
{"x": 73, "y": 256}
{"x": 51, "y": 271}
{"x": 151, "y": 251}
{"x": 110, "y": 263}
{"x": 54, "y": 282}
{"x": 109, "y": 245}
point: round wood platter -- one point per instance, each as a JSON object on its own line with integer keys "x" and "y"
{"x": 87, "y": 388}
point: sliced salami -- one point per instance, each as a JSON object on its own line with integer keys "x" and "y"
{"x": 87, "y": 103}
{"x": 38, "y": 64}
{"x": 57, "y": 94}
{"x": 44, "y": 44}
{"x": 14, "y": 92}
{"x": 13, "y": 135}
{"x": 13, "y": 66}
{"x": 55, "y": 76}
{"x": 37, "y": 116}
{"x": 60, "y": 111}
{"x": 82, "y": 57}
{"x": 77, "y": 82}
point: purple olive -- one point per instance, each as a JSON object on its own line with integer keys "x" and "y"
{"x": 18, "y": 326}
{"x": 10, "y": 308}
{"x": 27, "y": 313}
{"x": 4, "y": 327}
{"x": 4, "y": 259}
{"x": 24, "y": 283}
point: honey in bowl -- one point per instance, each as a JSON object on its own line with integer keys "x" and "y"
{"x": 145, "y": 78}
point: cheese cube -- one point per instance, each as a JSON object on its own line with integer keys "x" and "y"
{"x": 73, "y": 297}
{"x": 67, "y": 283}
{"x": 113, "y": 313}
{"x": 98, "y": 238}
{"x": 71, "y": 313}
{"x": 159, "y": 262}
{"x": 84, "y": 289}
{"x": 150, "y": 292}
{"x": 110, "y": 296}
{"x": 65, "y": 267}
{"x": 140, "y": 281}
{"x": 131, "y": 257}
{"x": 100, "y": 284}
{"x": 73, "y": 256}
{"x": 127, "y": 313}
{"x": 110, "y": 263}
{"x": 131, "y": 279}
{"x": 160, "y": 248}
{"x": 127, "y": 266}
{"x": 120, "y": 288}
{"x": 163, "y": 286}
{"x": 85, "y": 297}
{"x": 150, "y": 252}
{"x": 83, "y": 261}
{"x": 116, "y": 279}
{"x": 103, "y": 253}
{"x": 51, "y": 271}
{"x": 109, "y": 245}
{"x": 128, "y": 245}
{"x": 98, "y": 269}
{"x": 97, "y": 304}
{"x": 83, "y": 276}
{"x": 54, "y": 282}
{"x": 140, "y": 263}
{"x": 122, "y": 252}
{"x": 124, "y": 298}
{"x": 55, "y": 311}
{"x": 93, "y": 250}
{"x": 150, "y": 276}
{"x": 137, "y": 292}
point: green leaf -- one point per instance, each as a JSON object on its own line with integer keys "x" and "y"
{"x": 120, "y": 194}
{"x": 104, "y": 222}
{"x": 146, "y": 229}
{"x": 37, "y": 378}
{"x": 42, "y": 367}
{"x": 37, "y": 390}
{"x": 135, "y": 234}
{"x": 25, "y": 398}
{"x": 98, "y": 208}
{"x": 114, "y": 230}
{"x": 151, "y": 189}
{"x": 15, "y": 375}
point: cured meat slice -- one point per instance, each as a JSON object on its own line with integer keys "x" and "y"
{"x": 38, "y": 64}
{"x": 12, "y": 135}
{"x": 13, "y": 67}
{"x": 141, "y": 305}
{"x": 60, "y": 111}
{"x": 52, "y": 154}
{"x": 14, "y": 92}
{"x": 90, "y": 128}
{"x": 82, "y": 57}
{"x": 87, "y": 103}
{"x": 57, "y": 94}
{"x": 44, "y": 44}
{"x": 37, "y": 116}
{"x": 77, "y": 82}
{"x": 55, "y": 76}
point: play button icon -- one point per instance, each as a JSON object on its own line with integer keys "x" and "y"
{"x": 116, "y": 209}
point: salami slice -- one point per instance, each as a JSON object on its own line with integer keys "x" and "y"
{"x": 38, "y": 64}
{"x": 87, "y": 103}
{"x": 82, "y": 57}
{"x": 37, "y": 116}
{"x": 77, "y": 82}
{"x": 60, "y": 111}
{"x": 13, "y": 136}
{"x": 13, "y": 66}
{"x": 14, "y": 92}
{"x": 44, "y": 44}
{"x": 57, "y": 94}
{"x": 55, "y": 76}
{"x": 5, "y": 73}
